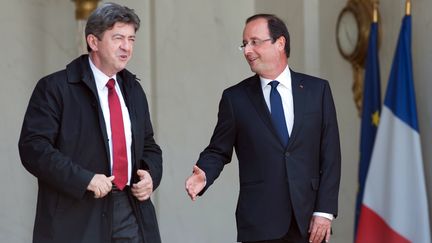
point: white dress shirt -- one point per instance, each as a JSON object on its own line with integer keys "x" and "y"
{"x": 285, "y": 90}
{"x": 101, "y": 81}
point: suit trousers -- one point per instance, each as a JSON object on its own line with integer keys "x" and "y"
{"x": 125, "y": 228}
{"x": 292, "y": 236}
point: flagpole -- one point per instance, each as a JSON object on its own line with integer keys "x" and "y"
{"x": 408, "y": 7}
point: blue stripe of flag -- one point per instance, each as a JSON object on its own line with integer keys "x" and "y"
{"x": 371, "y": 110}
{"x": 400, "y": 96}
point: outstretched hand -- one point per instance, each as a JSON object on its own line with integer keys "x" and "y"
{"x": 195, "y": 183}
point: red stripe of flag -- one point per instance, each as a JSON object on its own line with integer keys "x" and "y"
{"x": 373, "y": 229}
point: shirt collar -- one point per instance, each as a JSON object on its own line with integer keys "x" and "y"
{"x": 284, "y": 78}
{"x": 100, "y": 78}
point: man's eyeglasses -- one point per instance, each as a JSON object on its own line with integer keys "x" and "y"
{"x": 253, "y": 43}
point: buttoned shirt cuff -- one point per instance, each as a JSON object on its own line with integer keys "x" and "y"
{"x": 325, "y": 215}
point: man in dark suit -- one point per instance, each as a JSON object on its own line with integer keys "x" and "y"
{"x": 88, "y": 139}
{"x": 283, "y": 127}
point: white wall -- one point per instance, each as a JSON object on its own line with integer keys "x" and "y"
{"x": 197, "y": 57}
{"x": 32, "y": 45}
{"x": 186, "y": 54}
{"x": 339, "y": 73}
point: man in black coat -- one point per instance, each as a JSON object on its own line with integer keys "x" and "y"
{"x": 283, "y": 127}
{"x": 88, "y": 139}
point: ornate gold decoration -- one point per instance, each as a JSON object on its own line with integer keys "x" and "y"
{"x": 83, "y": 8}
{"x": 364, "y": 12}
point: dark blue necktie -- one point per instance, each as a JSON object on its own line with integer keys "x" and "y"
{"x": 277, "y": 113}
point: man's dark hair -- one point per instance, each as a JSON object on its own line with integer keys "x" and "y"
{"x": 105, "y": 16}
{"x": 276, "y": 27}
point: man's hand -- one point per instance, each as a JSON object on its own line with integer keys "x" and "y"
{"x": 319, "y": 229}
{"x": 100, "y": 185}
{"x": 195, "y": 183}
{"x": 144, "y": 188}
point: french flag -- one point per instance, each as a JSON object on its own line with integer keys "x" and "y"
{"x": 395, "y": 208}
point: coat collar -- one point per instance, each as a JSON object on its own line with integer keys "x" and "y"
{"x": 79, "y": 71}
{"x": 255, "y": 93}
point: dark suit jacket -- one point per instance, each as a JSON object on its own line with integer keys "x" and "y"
{"x": 64, "y": 143}
{"x": 275, "y": 181}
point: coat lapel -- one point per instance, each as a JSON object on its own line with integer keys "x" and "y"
{"x": 79, "y": 71}
{"x": 255, "y": 93}
{"x": 299, "y": 99}
{"x": 126, "y": 79}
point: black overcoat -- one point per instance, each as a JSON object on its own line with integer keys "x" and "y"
{"x": 64, "y": 142}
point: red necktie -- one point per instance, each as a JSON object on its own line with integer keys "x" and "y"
{"x": 120, "y": 163}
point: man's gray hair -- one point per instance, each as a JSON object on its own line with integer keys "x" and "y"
{"x": 105, "y": 16}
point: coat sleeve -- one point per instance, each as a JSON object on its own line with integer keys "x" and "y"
{"x": 219, "y": 151}
{"x": 37, "y": 149}
{"x": 330, "y": 157}
{"x": 151, "y": 158}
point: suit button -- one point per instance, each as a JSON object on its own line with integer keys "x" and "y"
{"x": 287, "y": 154}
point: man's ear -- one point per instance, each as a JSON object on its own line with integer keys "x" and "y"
{"x": 281, "y": 42}
{"x": 92, "y": 41}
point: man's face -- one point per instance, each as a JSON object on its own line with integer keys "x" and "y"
{"x": 114, "y": 50}
{"x": 264, "y": 58}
